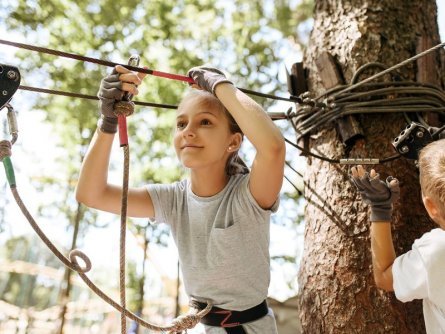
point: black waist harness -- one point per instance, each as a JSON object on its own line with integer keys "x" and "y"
{"x": 231, "y": 321}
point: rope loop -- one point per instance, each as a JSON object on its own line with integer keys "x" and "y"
{"x": 5, "y": 149}
{"x": 73, "y": 255}
{"x": 363, "y": 68}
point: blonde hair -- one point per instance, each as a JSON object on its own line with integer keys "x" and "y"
{"x": 432, "y": 172}
{"x": 234, "y": 164}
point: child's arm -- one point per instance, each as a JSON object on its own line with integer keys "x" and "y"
{"x": 93, "y": 188}
{"x": 380, "y": 196}
{"x": 268, "y": 166}
{"x": 383, "y": 254}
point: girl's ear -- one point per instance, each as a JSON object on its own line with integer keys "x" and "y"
{"x": 235, "y": 142}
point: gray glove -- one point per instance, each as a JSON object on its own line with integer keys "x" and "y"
{"x": 110, "y": 91}
{"x": 207, "y": 77}
{"x": 380, "y": 195}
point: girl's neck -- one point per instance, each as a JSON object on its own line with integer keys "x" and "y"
{"x": 206, "y": 184}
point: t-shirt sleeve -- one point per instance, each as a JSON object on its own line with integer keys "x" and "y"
{"x": 410, "y": 276}
{"x": 248, "y": 202}
{"x": 163, "y": 199}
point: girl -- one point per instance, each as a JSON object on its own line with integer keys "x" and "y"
{"x": 220, "y": 214}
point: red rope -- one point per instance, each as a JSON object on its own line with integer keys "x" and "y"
{"x": 97, "y": 61}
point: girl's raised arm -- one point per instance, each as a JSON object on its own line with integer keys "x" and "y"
{"x": 268, "y": 166}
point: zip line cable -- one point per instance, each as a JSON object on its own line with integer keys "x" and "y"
{"x": 311, "y": 114}
{"x": 155, "y": 73}
{"x": 273, "y": 115}
{"x": 293, "y": 185}
{"x": 91, "y": 97}
{"x": 96, "y": 61}
{"x": 392, "y": 68}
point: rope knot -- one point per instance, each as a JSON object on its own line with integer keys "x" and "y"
{"x": 5, "y": 149}
{"x": 187, "y": 321}
{"x": 125, "y": 108}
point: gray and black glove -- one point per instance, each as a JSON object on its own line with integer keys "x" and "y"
{"x": 380, "y": 195}
{"x": 207, "y": 77}
{"x": 110, "y": 91}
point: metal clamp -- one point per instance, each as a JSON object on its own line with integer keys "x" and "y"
{"x": 359, "y": 161}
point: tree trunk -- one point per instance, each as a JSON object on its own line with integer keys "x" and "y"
{"x": 338, "y": 293}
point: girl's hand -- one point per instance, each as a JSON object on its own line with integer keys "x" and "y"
{"x": 207, "y": 78}
{"x": 111, "y": 90}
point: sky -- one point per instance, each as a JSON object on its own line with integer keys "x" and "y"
{"x": 30, "y": 159}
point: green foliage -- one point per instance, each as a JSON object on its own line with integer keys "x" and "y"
{"x": 239, "y": 36}
{"x": 287, "y": 21}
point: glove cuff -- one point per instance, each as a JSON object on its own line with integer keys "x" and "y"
{"x": 220, "y": 82}
{"x": 107, "y": 124}
{"x": 379, "y": 214}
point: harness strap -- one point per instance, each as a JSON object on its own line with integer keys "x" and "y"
{"x": 235, "y": 330}
{"x": 231, "y": 321}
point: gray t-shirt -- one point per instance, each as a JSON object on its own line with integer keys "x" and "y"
{"x": 222, "y": 240}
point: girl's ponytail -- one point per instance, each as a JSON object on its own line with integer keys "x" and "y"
{"x": 236, "y": 165}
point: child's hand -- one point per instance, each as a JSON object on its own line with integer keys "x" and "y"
{"x": 207, "y": 78}
{"x": 111, "y": 90}
{"x": 380, "y": 195}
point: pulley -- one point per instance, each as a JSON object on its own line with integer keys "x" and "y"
{"x": 412, "y": 139}
{"x": 9, "y": 83}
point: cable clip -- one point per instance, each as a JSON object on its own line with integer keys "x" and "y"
{"x": 359, "y": 161}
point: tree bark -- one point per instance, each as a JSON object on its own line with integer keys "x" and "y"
{"x": 337, "y": 289}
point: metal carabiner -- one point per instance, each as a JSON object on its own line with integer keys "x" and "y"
{"x": 5, "y": 146}
{"x": 12, "y": 123}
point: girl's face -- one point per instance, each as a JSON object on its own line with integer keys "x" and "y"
{"x": 202, "y": 137}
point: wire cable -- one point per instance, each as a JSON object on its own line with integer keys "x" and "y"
{"x": 156, "y": 73}
{"x": 312, "y": 114}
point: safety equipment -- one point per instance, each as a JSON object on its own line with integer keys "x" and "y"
{"x": 208, "y": 77}
{"x": 9, "y": 83}
{"x": 379, "y": 194}
{"x": 110, "y": 91}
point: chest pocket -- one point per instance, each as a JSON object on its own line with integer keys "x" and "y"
{"x": 226, "y": 247}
